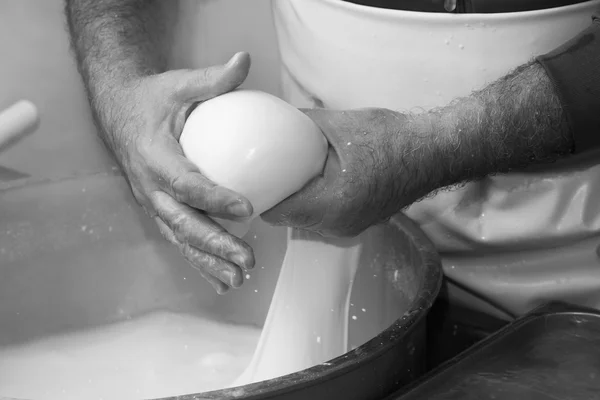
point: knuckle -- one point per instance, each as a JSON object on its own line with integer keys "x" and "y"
{"x": 175, "y": 187}
{"x": 213, "y": 200}
{"x": 206, "y": 76}
{"x": 189, "y": 188}
{"x": 179, "y": 224}
{"x": 194, "y": 257}
{"x": 217, "y": 242}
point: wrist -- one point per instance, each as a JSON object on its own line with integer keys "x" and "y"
{"x": 419, "y": 152}
{"x": 508, "y": 126}
{"x": 111, "y": 106}
{"x": 459, "y": 147}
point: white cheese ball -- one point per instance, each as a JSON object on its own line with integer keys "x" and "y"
{"x": 255, "y": 144}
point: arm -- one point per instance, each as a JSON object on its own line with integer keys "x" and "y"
{"x": 382, "y": 161}
{"x": 539, "y": 113}
{"x": 140, "y": 109}
{"x": 115, "y": 42}
{"x": 514, "y": 122}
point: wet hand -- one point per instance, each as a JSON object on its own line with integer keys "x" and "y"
{"x": 361, "y": 182}
{"x": 143, "y": 131}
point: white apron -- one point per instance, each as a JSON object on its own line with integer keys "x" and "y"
{"x": 509, "y": 242}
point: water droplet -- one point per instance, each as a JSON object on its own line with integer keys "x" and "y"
{"x": 318, "y": 339}
{"x": 354, "y": 317}
{"x": 447, "y": 42}
{"x": 247, "y": 276}
{"x": 349, "y": 143}
{"x": 460, "y": 46}
{"x": 364, "y": 310}
{"x": 255, "y": 290}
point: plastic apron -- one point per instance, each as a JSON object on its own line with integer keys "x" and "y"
{"x": 508, "y": 242}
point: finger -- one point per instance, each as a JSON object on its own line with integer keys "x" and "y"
{"x": 206, "y": 83}
{"x": 180, "y": 178}
{"x": 219, "y": 286}
{"x": 214, "y": 266}
{"x": 304, "y": 209}
{"x": 196, "y": 229}
{"x": 307, "y": 208}
{"x": 194, "y": 189}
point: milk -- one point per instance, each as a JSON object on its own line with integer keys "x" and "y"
{"x": 165, "y": 354}
{"x": 158, "y": 355}
{"x": 307, "y": 323}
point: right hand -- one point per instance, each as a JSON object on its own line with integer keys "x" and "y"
{"x": 142, "y": 127}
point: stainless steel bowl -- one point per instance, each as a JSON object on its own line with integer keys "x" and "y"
{"x": 78, "y": 253}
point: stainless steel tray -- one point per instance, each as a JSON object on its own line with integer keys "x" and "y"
{"x": 552, "y": 353}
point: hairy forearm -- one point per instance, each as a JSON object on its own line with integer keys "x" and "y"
{"x": 512, "y": 123}
{"x": 115, "y": 42}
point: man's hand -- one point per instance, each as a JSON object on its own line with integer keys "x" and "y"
{"x": 143, "y": 127}
{"x": 363, "y": 182}
{"x": 381, "y": 161}
{"x": 121, "y": 48}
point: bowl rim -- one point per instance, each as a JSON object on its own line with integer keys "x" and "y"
{"x": 374, "y": 348}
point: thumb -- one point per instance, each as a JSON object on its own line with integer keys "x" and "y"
{"x": 203, "y": 84}
{"x": 331, "y": 123}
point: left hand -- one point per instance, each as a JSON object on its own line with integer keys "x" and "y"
{"x": 361, "y": 184}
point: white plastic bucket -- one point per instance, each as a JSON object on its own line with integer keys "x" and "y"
{"x": 525, "y": 238}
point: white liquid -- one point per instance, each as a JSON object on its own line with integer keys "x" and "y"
{"x": 164, "y": 354}
{"x": 307, "y": 323}
{"x": 158, "y": 355}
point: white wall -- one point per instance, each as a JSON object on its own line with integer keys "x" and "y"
{"x": 35, "y": 64}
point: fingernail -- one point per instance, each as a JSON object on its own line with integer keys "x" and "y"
{"x": 232, "y": 60}
{"x": 221, "y": 289}
{"x": 234, "y": 280}
{"x": 242, "y": 261}
{"x": 239, "y": 209}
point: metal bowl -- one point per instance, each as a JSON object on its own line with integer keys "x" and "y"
{"x": 78, "y": 252}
